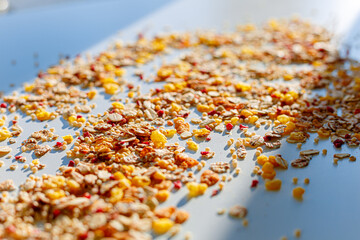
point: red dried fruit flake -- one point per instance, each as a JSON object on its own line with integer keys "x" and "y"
{"x": 229, "y": 126}
{"x": 160, "y": 113}
{"x": 215, "y": 192}
{"x": 71, "y": 163}
{"x": 208, "y": 139}
{"x": 357, "y": 111}
{"x": 254, "y": 183}
{"x": 204, "y": 152}
{"x": 243, "y": 127}
{"x": 330, "y": 109}
{"x": 3, "y": 105}
{"x": 56, "y": 212}
{"x": 177, "y": 184}
{"x": 338, "y": 143}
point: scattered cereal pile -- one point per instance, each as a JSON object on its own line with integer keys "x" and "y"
{"x": 123, "y": 166}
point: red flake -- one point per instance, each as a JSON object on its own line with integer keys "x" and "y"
{"x": 112, "y": 111}
{"x": 71, "y": 163}
{"x": 204, "y": 152}
{"x": 347, "y": 136}
{"x": 92, "y": 67}
{"x": 78, "y": 116}
{"x": 83, "y": 236}
{"x": 56, "y": 212}
{"x": 208, "y": 128}
{"x": 254, "y": 183}
{"x": 160, "y": 113}
{"x": 177, "y": 184}
{"x": 59, "y": 144}
{"x": 208, "y": 139}
{"x": 3, "y": 105}
{"x": 17, "y": 157}
{"x": 215, "y": 192}
{"x": 338, "y": 143}
{"x": 86, "y": 134}
{"x": 185, "y": 115}
{"x": 14, "y": 122}
{"x": 357, "y": 111}
{"x": 99, "y": 210}
{"x": 204, "y": 91}
{"x": 141, "y": 76}
{"x": 243, "y": 126}
{"x": 330, "y": 109}
{"x": 157, "y": 90}
{"x": 87, "y": 195}
{"x": 11, "y": 228}
{"x": 130, "y": 86}
{"x": 213, "y": 112}
{"x": 229, "y": 126}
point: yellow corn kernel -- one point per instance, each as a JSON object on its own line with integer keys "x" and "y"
{"x": 158, "y": 139}
{"x": 253, "y": 119}
{"x": 262, "y": 159}
{"x": 53, "y": 195}
{"x": 80, "y": 119}
{"x": 107, "y": 80}
{"x": 159, "y": 175}
{"x": 175, "y": 107}
{"x": 141, "y": 181}
{"x": 91, "y": 94}
{"x": 202, "y": 132}
{"x": 246, "y": 113}
{"x": 128, "y": 169}
{"x": 268, "y": 167}
{"x": 118, "y": 105}
{"x": 109, "y": 67}
{"x": 72, "y": 119}
{"x": 4, "y": 134}
{"x": 118, "y": 176}
{"x": 28, "y": 87}
{"x": 298, "y": 192}
{"x": 162, "y": 195}
{"x": 116, "y": 194}
{"x": 124, "y": 183}
{"x": 234, "y": 120}
{"x": 290, "y": 127}
{"x": 169, "y": 87}
{"x": 42, "y": 115}
{"x": 2, "y": 122}
{"x": 169, "y": 132}
{"x": 131, "y": 94}
{"x": 35, "y": 161}
{"x": 73, "y": 185}
{"x": 273, "y": 185}
{"x": 164, "y": 72}
{"x": 180, "y": 85}
{"x": 68, "y": 139}
{"x": 119, "y": 72}
{"x": 288, "y": 77}
{"x": 110, "y": 88}
{"x": 192, "y": 145}
{"x": 196, "y": 189}
{"x": 283, "y": 118}
{"x": 204, "y": 108}
{"x": 162, "y": 225}
{"x": 242, "y": 87}
{"x": 53, "y": 70}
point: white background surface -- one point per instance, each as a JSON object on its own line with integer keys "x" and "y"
{"x": 330, "y": 209}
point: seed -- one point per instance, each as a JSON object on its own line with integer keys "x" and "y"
{"x": 306, "y": 181}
